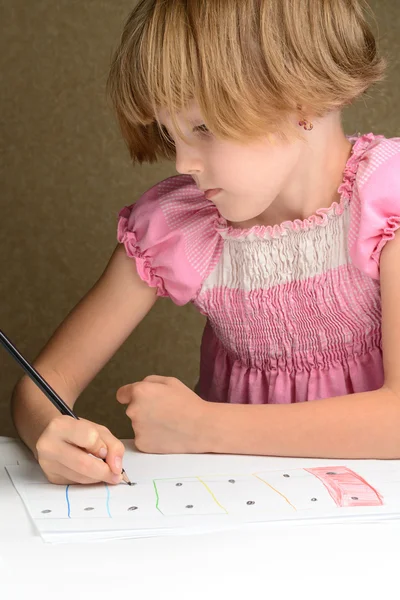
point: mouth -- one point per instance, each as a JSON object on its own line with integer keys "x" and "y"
{"x": 211, "y": 193}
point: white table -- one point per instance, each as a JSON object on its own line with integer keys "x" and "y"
{"x": 278, "y": 562}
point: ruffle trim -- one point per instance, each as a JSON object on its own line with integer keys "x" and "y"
{"x": 322, "y": 215}
{"x": 143, "y": 263}
{"x": 393, "y": 224}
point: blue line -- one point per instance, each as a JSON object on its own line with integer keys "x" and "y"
{"x": 108, "y": 500}
{"x": 68, "y": 504}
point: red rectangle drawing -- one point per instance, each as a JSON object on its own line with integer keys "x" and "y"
{"x": 346, "y": 487}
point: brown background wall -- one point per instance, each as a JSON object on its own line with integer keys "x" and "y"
{"x": 65, "y": 173}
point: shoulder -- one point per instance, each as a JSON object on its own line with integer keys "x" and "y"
{"x": 171, "y": 231}
{"x": 175, "y": 198}
{"x": 379, "y": 160}
{"x": 375, "y": 202}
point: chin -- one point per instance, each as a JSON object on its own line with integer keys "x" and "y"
{"x": 235, "y": 218}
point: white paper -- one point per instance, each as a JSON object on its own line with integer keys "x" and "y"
{"x": 187, "y": 494}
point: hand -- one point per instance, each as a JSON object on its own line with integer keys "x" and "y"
{"x": 65, "y": 447}
{"x": 167, "y": 417}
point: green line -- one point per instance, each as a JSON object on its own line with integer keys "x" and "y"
{"x": 157, "y": 496}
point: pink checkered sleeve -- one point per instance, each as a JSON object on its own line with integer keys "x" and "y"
{"x": 172, "y": 235}
{"x": 375, "y": 205}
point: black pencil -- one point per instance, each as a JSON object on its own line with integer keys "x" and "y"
{"x": 43, "y": 385}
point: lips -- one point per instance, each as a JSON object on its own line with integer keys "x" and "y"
{"x": 209, "y": 194}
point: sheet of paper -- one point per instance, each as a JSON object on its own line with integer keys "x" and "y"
{"x": 179, "y": 495}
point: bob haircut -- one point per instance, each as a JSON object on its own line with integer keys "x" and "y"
{"x": 249, "y": 64}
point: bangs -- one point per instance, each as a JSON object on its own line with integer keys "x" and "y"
{"x": 155, "y": 68}
{"x": 170, "y": 55}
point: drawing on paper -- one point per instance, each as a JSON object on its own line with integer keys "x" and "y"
{"x": 290, "y": 491}
{"x": 346, "y": 487}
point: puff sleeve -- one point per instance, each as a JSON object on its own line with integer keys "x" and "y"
{"x": 375, "y": 205}
{"x": 171, "y": 233}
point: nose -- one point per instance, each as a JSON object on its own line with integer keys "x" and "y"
{"x": 188, "y": 160}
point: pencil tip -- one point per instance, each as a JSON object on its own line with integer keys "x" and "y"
{"x": 125, "y": 477}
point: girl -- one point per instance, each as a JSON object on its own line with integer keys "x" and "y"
{"x": 277, "y": 229}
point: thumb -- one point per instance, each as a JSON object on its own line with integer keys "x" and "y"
{"x": 125, "y": 394}
{"x": 86, "y": 435}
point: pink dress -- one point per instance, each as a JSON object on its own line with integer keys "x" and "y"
{"x": 293, "y": 311}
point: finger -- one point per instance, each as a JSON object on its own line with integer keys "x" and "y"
{"x": 81, "y": 433}
{"x": 84, "y": 465}
{"x": 141, "y": 389}
{"x": 115, "y": 450}
{"x": 59, "y": 474}
{"x": 125, "y": 393}
{"x": 157, "y": 379}
{"x": 88, "y": 466}
{"x": 64, "y": 431}
{"x": 160, "y": 380}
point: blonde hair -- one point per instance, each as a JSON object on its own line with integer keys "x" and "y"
{"x": 248, "y": 63}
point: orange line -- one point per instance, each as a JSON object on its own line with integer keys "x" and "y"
{"x": 275, "y": 490}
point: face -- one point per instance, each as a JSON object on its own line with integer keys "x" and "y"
{"x": 247, "y": 177}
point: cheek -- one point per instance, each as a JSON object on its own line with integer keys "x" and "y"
{"x": 246, "y": 170}
{"x": 252, "y": 170}
{"x": 271, "y": 176}
{"x": 224, "y": 160}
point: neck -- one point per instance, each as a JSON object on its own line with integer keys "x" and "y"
{"x": 314, "y": 182}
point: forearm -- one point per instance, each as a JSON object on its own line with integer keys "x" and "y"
{"x": 363, "y": 425}
{"x": 32, "y": 411}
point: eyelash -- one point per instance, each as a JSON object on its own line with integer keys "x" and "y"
{"x": 202, "y": 129}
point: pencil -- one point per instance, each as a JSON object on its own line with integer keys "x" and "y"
{"x": 43, "y": 385}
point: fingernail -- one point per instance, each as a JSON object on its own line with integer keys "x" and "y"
{"x": 103, "y": 452}
{"x": 118, "y": 462}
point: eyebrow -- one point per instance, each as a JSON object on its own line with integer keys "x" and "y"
{"x": 194, "y": 126}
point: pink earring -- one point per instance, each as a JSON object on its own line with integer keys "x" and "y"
{"x": 307, "y": 125}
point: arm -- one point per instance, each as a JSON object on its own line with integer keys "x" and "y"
{"x": 363, "y": 425}
{"x": 83, "y": 344}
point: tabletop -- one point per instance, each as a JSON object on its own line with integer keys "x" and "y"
{"x": 311, "y": 561}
